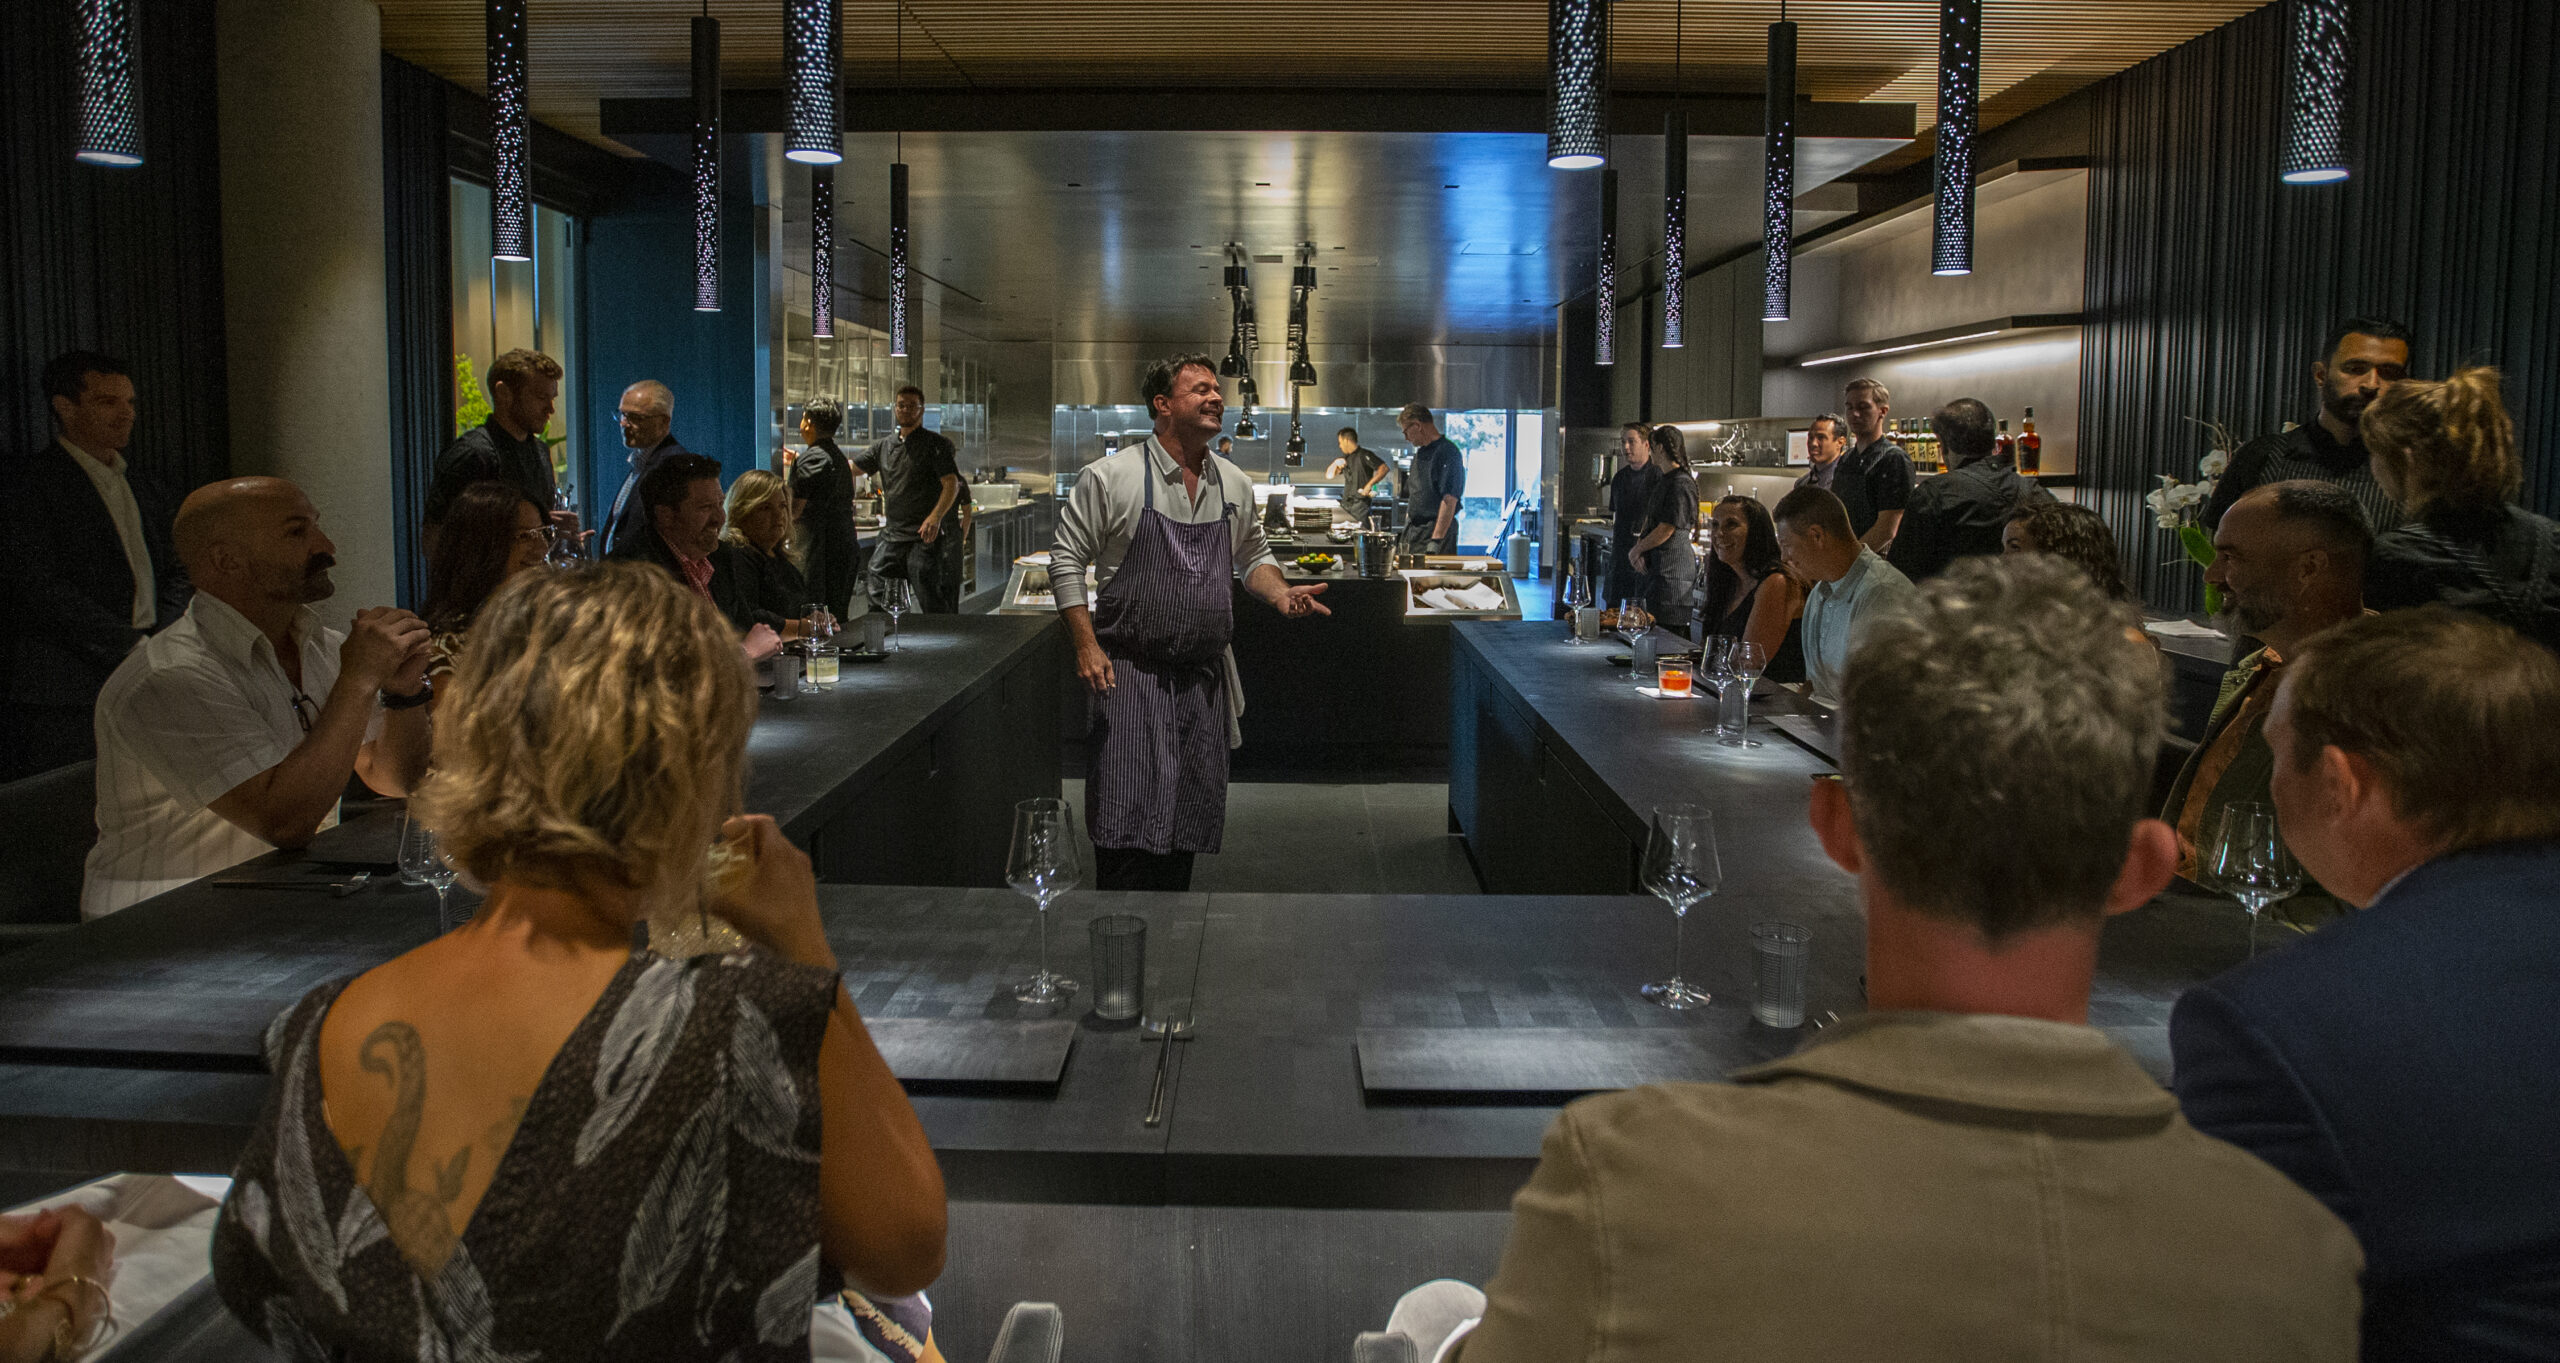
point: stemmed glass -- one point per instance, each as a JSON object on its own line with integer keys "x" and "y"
{"x": 2250, "y": 861}
{"x": 1680, "y": 867}
{"x": 1577, "y": 594}
{"x": 422, "y": 863}
{"x": 1044, "y": 864}
{"x": 902, "y": 598}
{"x": 1744, "y": 662}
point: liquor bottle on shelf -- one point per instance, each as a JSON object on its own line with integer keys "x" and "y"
{"x": 2030, "y": 445}
{"x": 2007, "y": 449}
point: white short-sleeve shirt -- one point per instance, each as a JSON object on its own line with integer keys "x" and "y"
{"x": 190, "y": 714}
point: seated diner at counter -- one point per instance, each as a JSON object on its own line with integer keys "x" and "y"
{"x": 757, "y": 551}
{"x": 1893, "y": 1189}
{"x": 2073, "y": 533}
{"x": 2398, "y": 1064}
{"x": 1844, "y": 582}
{"x": 491, "y": 531}
{"x": 232, "y": 732}
{"x": 544, "y": 1139}
{"x": 1962, "y": 512}
{"x": 1749, "y": 595}
{"x": 2446, "y": 452}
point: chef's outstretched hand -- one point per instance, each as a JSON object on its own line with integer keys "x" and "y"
{"x": 1301, "y": 601}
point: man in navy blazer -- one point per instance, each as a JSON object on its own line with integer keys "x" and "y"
{"x": 90, "y": 566}
{"x": 2403, "y": 1064}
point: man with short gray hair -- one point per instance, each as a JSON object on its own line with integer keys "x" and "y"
{"x": 648, "y": 416}
{"x": 1969, "y": 1170}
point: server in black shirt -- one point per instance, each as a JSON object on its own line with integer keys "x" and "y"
{"x": 1361, "y": 471}
{"x": 920, "y": 481}
{"x": 821, "y": 481}
{"x": 524, "y": 387}
{"x": 1630, "y": 496}
{"x": 1663, "y": 552}
{"x": 1874, "y": 478}
{"x": 1961, "y": 513}
{"x": 2364, "y": 355}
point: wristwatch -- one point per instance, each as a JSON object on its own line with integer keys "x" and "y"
{"x": 426, "y": 692}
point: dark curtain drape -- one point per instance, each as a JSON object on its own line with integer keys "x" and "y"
{"x": 127, "y": 261}
{"x": 417, "y": 249}
{"x": 2210, "y": 282}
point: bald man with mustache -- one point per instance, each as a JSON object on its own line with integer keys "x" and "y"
{"x": 234, "y": 730}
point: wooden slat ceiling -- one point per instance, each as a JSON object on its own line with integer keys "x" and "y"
{"x": 586, "y": 50}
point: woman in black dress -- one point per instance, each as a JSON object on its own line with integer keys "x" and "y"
{"x": 534, "y": 1138}
{"x": 1749, "y": 596}
{"x": 2447, "y": 452}
{"x": 1662, "y": 552}
{"x": 757, "y": 548}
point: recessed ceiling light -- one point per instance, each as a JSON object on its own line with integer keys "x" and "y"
{"x": 1071, "y": 184}
{"x": 1448, "y": 186}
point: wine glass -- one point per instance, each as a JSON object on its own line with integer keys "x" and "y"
{"x": 1044, "y": 863}
{"x": 2250, "y": 861}
{"x": 1715, "y": 663}
{"x": 1577, "y": 594}
{"x": 1680, "y": 867}
{"x": 901, "y": 599}
{"x": 1744, "y": 663}
{"x": 422, "y": 863}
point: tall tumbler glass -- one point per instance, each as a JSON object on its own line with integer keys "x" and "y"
{"x": 1119, "y": 943}
{"x": 1779, "y": 952}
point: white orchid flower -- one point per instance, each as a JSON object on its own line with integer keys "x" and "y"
{"x": 2212, "y": 465}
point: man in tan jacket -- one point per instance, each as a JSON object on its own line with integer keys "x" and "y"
{"x": 1969, "y": 1172}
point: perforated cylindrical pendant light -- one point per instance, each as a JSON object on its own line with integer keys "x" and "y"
{"x": 706, "y": 164}
{"x": 1959, "y": 98}
{"x": 1577, "y": 83}
{"x": 1675, "y": 227}
{"x": 809, "y": 72}
{"x": 898, "y": 259}
{"x": 1778, "y": 176}
{"x": 822, "y": 252}
{"x": 1604, "y": 341}
{"x": 510, "y": 136}
{"x": 110, "y": 111}
{"x": 2315, "y": 132}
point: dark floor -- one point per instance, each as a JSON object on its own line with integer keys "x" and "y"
{"x": 1313, "y": 838}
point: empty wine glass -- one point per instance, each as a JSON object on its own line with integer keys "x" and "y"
{"x": 422, "y": 863}
{"x": 1577, "y": 594}
{"x": 1744, "y": 662}
{"x": 1680, "y": 868}
{"x": 1715, "y": 662}
{"x": 2250, "y": 861}
{"x": 901, "y": 599}
{"x": 1044, "y": 863}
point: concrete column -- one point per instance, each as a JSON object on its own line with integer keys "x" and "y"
{"x": 303, "y": 284}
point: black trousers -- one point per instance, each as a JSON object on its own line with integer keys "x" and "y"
{"x": 833, "y": 556}
{"x": 1129, "y": 868}
{"x": 920, "y": 564}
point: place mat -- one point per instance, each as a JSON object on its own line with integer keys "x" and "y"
{"x": 1531, "y": 1060}
{"x": 369, "y": 839}
{"x": 1812, "y": 733}
{"x": 974, "y": 1051}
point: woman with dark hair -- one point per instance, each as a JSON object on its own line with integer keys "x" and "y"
{"x": 1749, "y": 596}
{"x": 2447, "y": 453}
{"x": 2073, "y": 533}
{"x": 491, "y": 533}
{"x": 1662, "y": 551}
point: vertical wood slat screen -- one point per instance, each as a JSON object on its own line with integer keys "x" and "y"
{"x": 127, "y": 261}
{"x": 417, "y": 249}
{"x": 2210, "y": 283}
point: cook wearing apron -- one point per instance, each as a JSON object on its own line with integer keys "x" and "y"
{"x": 1663, "y": 553}
{"x": 1153, "y": 647}
{"x": 821, "y": 481}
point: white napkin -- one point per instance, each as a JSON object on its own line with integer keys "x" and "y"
{"x": 1476, "y": 598}
{"x": 1659, "y": 694}
{"x": 2182, "y": 629}
{"x": 164, "y": 1236}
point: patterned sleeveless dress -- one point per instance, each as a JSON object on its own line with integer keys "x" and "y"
{"x": 659, "y": 1200}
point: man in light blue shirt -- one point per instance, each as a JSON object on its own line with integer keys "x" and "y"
{"x": 1847, "y": 580}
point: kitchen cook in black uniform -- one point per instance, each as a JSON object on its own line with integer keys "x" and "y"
{"x": 821, "y": 481}
{"x": 1630, "y": 497}
{"x": 1361, "y": 470}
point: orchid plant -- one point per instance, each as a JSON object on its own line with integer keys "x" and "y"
{"x": 2176, "y": 505}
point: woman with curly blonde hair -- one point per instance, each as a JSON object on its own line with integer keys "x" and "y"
{"x": 535, "y": 1138}
{"x": 2447, "y": 452}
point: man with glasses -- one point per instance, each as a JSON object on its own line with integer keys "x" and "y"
{"x": 233, "y": 731}
{"x": 648, "y": 416}
{"x": 1439, "y": 475}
